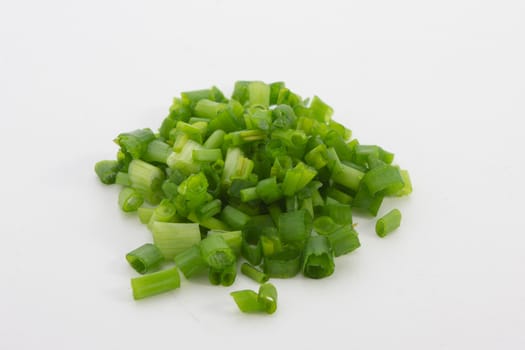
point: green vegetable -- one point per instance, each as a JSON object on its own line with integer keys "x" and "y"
{"x": 145, "y": 258}
{"x": 129, "y": 199}
{"x": 265, "y": 176}
{"x": 250, "y": 302}
{"x": 388, "y": 223}
{"x": 107, "y": 171}
{"x": 155, "y": 283}
{"x": 318, "y": 258}
{"x": 255, "y": 274}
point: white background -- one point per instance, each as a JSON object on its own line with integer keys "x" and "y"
{"x": 439, "y": 83}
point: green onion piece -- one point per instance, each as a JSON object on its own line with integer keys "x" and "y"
{"x": 297, "y": 178}
{"x": 190, "y": 262}
{"x": 338, "y": 195}
{"x": 385, "y": 177}
{"x": 225, "y": 276}
{"x": 228, "y": 275}
{"x": 258, "y": 118}
{"x": 295, "y": 226}
{"x": 274, "y": 91}
{"x": 270, "y": 245}
{"x": 240, "y": 91}
{"x": 248, "y": 301}
{"x": 157, "y": 151}
{"x": 207, "y": 155}
{"x": 284, "y": 117}
{"x": 340, "y": 213}
{"x": 106, "y": 171}
{"x": 208, "y": 109}
{"x": 155, "y": 283}
{"x": 366, "y": 202}
{"x": 268, "y": 190}
{"x": 317, "y": 199}
{"x": 229, "y": 119}
{"x": 147, "y": 179}
{"x": 252, "y": 252}
{"x": 145, "y": 214}
{"x": 129, "y": 199}
{"x": 259, "y": 93}
{"x": 167, "y": 125}
{"x": 407, "y": 188}
{"x": 170, "y": 189}
{"x": 215, "y": 140}
{"x": 234, "y": 217}
{"x": 254, "y": 273}
{"x": 232, "y": 238}
{"x": 173, "y": 238}
{"x": 249, "y": 194}
{"x": 388, "y": 223}
{"x": 318, "y": 258}
{"x": 238, "y": 138}
{"x": 317, "y": 157}
{"x": 164, "y": 212}
{"x": 209, "y": 209}
{"x": 344, "y": 240}
{"x": 320, "y": 111}
{"x": 135, "y": 142}
{"x": 183, "y": 159}
{"x": 340, "y": 129}
{"x": 325, "y": 225}
{"x": 236, "y": 166}
{"x": 190, "y": 98}
{"x": 212, "y": 223}
{"x": 196, "y": 131}
{"x": 268, "y": 296}
{"x": 285, "y": 264}
{"x": 216, "y": 252}
{"x": 122, "y": 179}
{"x": 347, "y": 176}
{"x": 145, "y": 258}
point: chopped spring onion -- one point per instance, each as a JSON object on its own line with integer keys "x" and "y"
{"x": 190, "y": 262}
{"x": 250, "y": 302}
{"x": 265, "y": 176}
{"x": 318, "y": 258}
{"x": 155, "y": 283}
{"x": 129, "y": 199}
{"x": 255, "y": 274}
{"x": 107, "y": 171}
{"x": 173, "y": 238}
{"x": 145, "y": 258}
{"x": 388, "y": 223}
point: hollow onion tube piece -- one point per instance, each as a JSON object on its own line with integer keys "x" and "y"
{"x": 155, "y": 283}
{"x": 173, "y": 238}
{"x": 344, "y": 240}
{"x": 135, "y": 142}
{"x": 295, "y": 225}
{"x": 107, "y": 171}
{"x": 145, "y": 258}
{"x": 254, "y": 273}
{"x": 216, "y": 252}
{"x": 223, "y": 276}
{"x": 284, "y": 264}
{"x": 388, "y": 223}
{"x": 190, "y": 262}
{"x": 248, "y": 301}
{"x": 318, "y": 258}
{"x": 268, "y": 296}
{"x": 129, "y": 199}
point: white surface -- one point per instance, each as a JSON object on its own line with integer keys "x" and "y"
{"x": 440, "y": 83}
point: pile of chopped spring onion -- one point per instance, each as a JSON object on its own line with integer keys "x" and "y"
{"x": 264, "y": 175}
